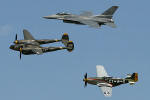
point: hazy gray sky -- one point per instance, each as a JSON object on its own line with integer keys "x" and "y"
{"x": 58, "y": 75}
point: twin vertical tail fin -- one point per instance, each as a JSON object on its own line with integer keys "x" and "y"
{"x": 69, "y": 44}
{"x": 132, "y": 78}
{"x": 65, "y": 39}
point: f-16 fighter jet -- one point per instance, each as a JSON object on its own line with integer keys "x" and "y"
{"x": 105, "y": 82}
{"x": 87, "y": 18}
{"x": 30, "y": 45}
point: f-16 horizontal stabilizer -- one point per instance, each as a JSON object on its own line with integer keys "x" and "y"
{"x": 111, "y": 25}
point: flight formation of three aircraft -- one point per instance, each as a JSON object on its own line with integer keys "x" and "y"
{"x": 30, "y": 46}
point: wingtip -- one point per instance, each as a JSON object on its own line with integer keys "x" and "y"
{"x": 99, "y": 66}
{"x": 116, "y": 6}
{"x": 25, "y": 30}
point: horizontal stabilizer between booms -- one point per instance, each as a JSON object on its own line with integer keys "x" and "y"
{"x": 111, "y": 25}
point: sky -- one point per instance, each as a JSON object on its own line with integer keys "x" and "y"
{"x": 58, "y": 75}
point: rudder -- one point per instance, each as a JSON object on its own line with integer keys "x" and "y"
{"x": 110, "y": 11}
{"x": 70, "y": 46}
{"x": 135, "y": 77}
{"x": 65, "y": 39}
{"x": 132, "y": 79}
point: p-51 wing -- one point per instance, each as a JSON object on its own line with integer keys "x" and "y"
{"x": 105, "y": 87}
{"x": 107, "y": 91}
{"x": 101, "y": 72}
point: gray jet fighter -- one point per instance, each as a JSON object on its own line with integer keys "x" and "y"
{"x": 30, "y": 45}
{"x": 106, "y": 82}
{"x": 87, "y": 18}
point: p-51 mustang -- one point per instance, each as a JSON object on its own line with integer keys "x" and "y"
{"x": 106, "y": 82}
{"x": 30, "y": 45}
{"x": 87, "y": 18}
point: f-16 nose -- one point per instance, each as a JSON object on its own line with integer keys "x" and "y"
{"x": 51, "y": 17}
{"x": 46, "y": 17}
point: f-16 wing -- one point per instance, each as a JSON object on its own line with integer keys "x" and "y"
{"x": 27, "y": 35}
{"x": 86, "y": 13}
{"x": 83, "y": 21}
{"x": 91, "y": 23}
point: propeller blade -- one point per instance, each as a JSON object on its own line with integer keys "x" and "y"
{"x": 85, "y": 76}
{"x": 85, "y": 80}
{"x": 16, "y": 37}
{"x": 20, "y": 53}
{"x": 85, "y": 85}
{"x": 16, "y": 41}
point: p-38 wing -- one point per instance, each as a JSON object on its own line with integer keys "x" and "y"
{"x": 105, "y": 87}
{"x": 27, "y": 35}
{"x": 35, "y": 48}
{"x": 37, "y": 51}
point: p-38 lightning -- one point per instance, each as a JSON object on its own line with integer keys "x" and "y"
{"x": 30, "y": 45}
{"x": 87, "y": 18}
{"x": 106, "y": 82}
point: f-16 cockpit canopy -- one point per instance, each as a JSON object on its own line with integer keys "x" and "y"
{"x": 62, "y": 13}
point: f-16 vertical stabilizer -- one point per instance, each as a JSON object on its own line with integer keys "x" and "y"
{"x": 110, "y": 11}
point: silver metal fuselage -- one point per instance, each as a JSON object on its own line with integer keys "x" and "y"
{"x": 71, "y": 17}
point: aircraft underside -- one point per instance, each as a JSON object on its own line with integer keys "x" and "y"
{"x": 79, "y": 23}
{"x": 112, "y": 82}
{"x": 73, "y": 22}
